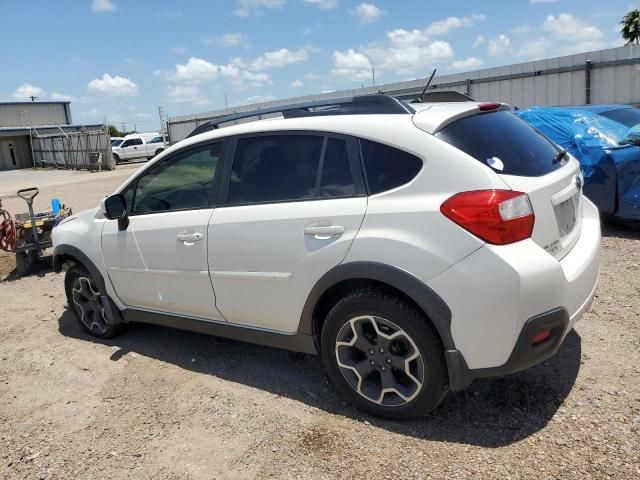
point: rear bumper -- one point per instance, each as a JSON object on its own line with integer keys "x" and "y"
{"x": 500, "y": 297}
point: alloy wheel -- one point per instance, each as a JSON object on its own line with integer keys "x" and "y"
{"x": 89, "y": 303}
{"x": 380, "y": 360}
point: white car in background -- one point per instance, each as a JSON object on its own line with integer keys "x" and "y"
{"x": 414, "y": 247}
{"x": 137, "y": 146}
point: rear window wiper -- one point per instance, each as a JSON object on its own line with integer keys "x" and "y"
{"x": 559, "y": 156}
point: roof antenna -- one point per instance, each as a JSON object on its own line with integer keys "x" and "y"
{"x": 419, "y": 99}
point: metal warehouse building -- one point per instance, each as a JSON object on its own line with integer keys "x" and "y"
{"x": 604, "y": 76}
{"x": 42, "y": 133}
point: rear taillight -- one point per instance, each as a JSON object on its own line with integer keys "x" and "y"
{"x": 496, "y": 216}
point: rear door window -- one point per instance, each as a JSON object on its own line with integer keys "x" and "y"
{"x": 505, "y": 143}
{"x": 286, "y": 167}
{"x": 386, "y": 167}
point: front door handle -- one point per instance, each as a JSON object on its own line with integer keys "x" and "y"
{"x": 190, "y": 237}
{"x": 324, "y": 231}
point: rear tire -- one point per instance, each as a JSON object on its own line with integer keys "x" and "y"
{"x": 158, "y": 152}
{"x": 88, "y": 304}
{"x": 384, "y": 355}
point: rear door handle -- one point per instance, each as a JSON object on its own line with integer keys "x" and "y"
{"x": 190, "y": 237}
{"x": 324, "y": 231}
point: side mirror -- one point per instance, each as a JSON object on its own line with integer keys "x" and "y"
{"x": 115, "y": 208}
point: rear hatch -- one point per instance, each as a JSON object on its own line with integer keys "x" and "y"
{"x": 527, "y": 162}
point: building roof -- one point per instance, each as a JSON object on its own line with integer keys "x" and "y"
{"x": 52, "y": 102}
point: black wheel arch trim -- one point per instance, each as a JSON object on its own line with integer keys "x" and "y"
{"x": 60, "y": 251}
{"x": 428, "y": 300}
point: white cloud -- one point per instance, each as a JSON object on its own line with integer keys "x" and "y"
{"x": 275, "y": 59}
{"x": 242, "y": 78}
{"x": 100, "y": 6}
{"x": 407, "y": 52}
{"x": 246, "y": 8}
{"x": 178, "y": 50}
{"x": 534, "y": 2}
{"x": 296, "y": 84}
{"x": 61, "y": 97}
{"x": 573, "y": 35}
{"x": 324, "y": 4}
{"x": 520, "y": 29}
{"x": 499, "y": 46}
{"x": 443, "y": 27}
{"x": 186, "y": 94}
{"x": 479, "y": 41}
{"x": 351, "y": 65}
{"x": 234, "y": 39}
{"x": 567, "y": 27}
{"x": 534, "y": 49}
{"x": 367, "y": 12}
{"x": 257, "y": 99}
{"x": 112, "y": 86}
{"x": 467, "y": 64}
{"x": 196, "y": 70}
{"x": 26, "y": 90}
{"x": 227, "y": 40}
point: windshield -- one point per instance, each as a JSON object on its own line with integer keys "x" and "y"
{"x": 116, "y": 143}
{"x": 629, "y": 117}
{"x": 505, "y": 143}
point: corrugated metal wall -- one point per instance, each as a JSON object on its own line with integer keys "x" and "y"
{"x": 34, "y": 114}
{"x": 614, "y": 78}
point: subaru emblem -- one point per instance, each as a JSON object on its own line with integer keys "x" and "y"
{"x": 579, "y": 182}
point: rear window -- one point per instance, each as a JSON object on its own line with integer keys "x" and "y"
{"x": 505, "y": 143}
{"x": 386, "y": 167}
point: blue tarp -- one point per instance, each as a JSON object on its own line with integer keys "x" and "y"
{"x": 611, "y": 166}
{"x": 585, "y": 135}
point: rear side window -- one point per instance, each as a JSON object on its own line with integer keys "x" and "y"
{"x": 504, "y": 142}
{"x": 281, "y": 168}
{"x": 387, "y": 167}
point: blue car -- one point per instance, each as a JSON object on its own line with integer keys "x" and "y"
{"x": 606, "y": 141}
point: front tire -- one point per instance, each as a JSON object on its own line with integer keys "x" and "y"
{"x": 384, "y": 355}
{"x": 116, "y": 158}
{"x": 89, "y": 304}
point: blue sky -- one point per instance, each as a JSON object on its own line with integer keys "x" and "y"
{"x": 120, "y": 59}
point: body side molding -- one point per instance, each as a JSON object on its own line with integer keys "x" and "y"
{"x": 297, "y": 342}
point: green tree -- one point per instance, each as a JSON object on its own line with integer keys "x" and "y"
{"x": 114, "y": 132}
{"x": 631, "y": 27}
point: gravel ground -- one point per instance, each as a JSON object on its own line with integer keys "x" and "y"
{"x": 159, "y": 403}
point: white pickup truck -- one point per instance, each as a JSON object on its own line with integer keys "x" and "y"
{"x": 138, "y": 145}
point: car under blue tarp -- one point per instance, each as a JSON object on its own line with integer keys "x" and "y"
{"x": 608, "y": 151}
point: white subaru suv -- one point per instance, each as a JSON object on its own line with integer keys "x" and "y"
{"x": 414, "y": 247}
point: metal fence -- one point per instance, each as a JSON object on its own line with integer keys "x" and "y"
{"x": 73, "y": 149}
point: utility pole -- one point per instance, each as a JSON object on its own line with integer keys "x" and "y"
{"x": 373, "y": 75}
{"x": 162, "y": 130}
{"x": 226, "y": 105}
{"x": 124, "y": 130}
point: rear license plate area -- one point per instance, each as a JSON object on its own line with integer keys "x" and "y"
{"x": 566, "y": 215}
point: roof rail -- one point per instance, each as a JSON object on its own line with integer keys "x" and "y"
{"x": 444, "y": 96}
{"x": 357, "y": 105}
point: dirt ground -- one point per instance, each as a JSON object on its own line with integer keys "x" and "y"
{"x": 160, "y": 403}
